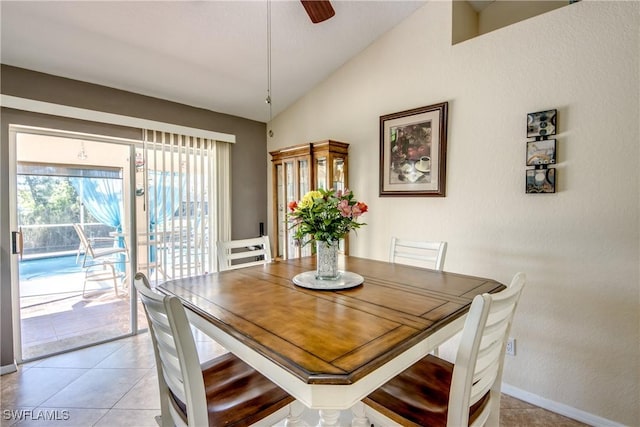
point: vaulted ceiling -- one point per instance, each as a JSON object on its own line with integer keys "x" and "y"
{"x": 209, "y": 54}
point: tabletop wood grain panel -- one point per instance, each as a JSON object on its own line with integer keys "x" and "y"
{"x": 329, "y": 337}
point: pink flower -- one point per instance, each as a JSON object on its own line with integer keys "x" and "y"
{"x": 344, "y": 208}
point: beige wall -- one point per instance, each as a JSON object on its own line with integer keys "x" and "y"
{"x": 577, "y": 327}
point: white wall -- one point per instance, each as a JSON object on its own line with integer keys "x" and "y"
{"x": 578, "y": 323}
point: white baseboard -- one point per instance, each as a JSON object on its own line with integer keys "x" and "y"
{"x": 7, "y": 369}
{"x": 558, "y": 408}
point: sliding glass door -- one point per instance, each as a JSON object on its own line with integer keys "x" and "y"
{"x": 63, "y": 181}
{"x": 163, "y": 201}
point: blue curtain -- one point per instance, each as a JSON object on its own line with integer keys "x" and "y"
{"x": 102, "y": 197}
{"x": 164, "y": 189}
{"x": 161, "y": 203}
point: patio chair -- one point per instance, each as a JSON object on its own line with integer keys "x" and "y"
{"x": 434, "y": 392}
{"x": 224, "y": 391}
{"x": 234, "y": 254}
{"x": 429, "y": 254}
{"x": 99, "y": 262}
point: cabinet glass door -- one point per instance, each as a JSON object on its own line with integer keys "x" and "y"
{"x": 282, "y": 209}
{"x": 304, "y": 188}
{"x": 290, "y": 195}
{"x": 303, "y": 178}
{"x": 338, "y": 174}
{"x": 321, "y": 173}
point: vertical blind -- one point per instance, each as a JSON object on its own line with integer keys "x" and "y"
{"x": 182, "y": 187}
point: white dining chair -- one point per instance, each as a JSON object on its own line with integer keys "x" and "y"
{"x": 434, "y": 392}
{"x": 429, "y": 254}
{"x": 224, "y": 391}
{"x": 234, "y": 254}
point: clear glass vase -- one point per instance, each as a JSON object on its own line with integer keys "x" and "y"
{"x": 327, "y": 260}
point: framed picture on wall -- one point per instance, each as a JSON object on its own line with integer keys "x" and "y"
{"x": 542, "y": 152}
{"x": 413, "y": 152}
{"x": 541, "y": 180}
{"x": 541, "y": 124}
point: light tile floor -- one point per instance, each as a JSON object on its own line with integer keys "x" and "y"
{"x": 115, "y": 384}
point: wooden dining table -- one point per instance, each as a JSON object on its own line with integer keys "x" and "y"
{"x": 329, "y": 348}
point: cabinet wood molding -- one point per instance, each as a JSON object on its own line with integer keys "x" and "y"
{"x": 296, "y": 170}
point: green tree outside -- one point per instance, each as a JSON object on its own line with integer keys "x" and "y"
{"x": 48, "y": 200}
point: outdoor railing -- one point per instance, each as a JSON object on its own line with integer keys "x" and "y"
{"x": 49, "y": 239}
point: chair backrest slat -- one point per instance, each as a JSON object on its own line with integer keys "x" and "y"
{"x": 234, "y": 254}
{"x": 177, "y": 360}
{"x": 479, "y": 362}
{"x": 429, "y": 254}
{"x": 84, "y": 240}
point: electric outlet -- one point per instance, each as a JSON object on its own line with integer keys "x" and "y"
{"x": 511, "y": 347}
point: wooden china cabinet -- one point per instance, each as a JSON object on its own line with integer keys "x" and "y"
{"x": 297, "y": 170}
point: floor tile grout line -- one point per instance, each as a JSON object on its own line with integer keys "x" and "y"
{"x": 142, "y": 378}
{"x": 39, "y": 405}
{"x": 113, "y": 407}
{"x": 87, "y": 371}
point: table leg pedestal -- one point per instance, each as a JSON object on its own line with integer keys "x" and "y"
{"x": 359, "y": 417}
{"x": 296, "y": 411}
{"x": 328, "y": 417}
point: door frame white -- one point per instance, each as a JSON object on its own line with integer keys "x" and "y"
{"x": 13, "y": 220}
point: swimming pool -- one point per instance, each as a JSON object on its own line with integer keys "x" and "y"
{"x": 49, "y": 266}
